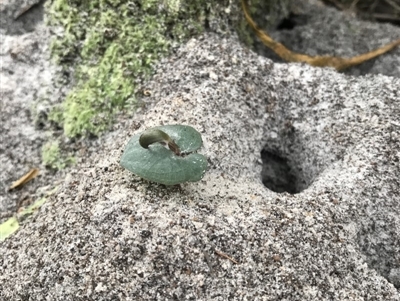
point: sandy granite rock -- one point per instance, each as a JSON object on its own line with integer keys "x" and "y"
{"x": 109, "y": 235}
{"x": 27, "y": 93}
{"x": 14, "y": 17}
{"x": 31, "y": 86}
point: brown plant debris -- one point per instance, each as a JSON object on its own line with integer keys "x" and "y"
{"x": 338, "y": 63}
{"x": 222, "y": 254}
{"x": 25, "y": 179}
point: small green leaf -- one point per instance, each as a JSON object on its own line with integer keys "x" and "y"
{"x": 9, "y": 227}
{"x": 32, "y": 208}
{"x": 159, "y": 164}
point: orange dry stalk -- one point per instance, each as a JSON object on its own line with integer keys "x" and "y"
{"x": 338, "y": 63}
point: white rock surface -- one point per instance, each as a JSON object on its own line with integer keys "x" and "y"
{"x": 108, "y": 235}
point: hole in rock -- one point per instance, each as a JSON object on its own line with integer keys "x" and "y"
{"x": 291, "y": 162}
{"x": 277, "y": 174}
{"x": 292, "y": 21}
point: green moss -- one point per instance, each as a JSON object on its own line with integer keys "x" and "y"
{"x": 112, "y": 45}
{"x": 52, "y": 158}
{"x": 56, "y": 114}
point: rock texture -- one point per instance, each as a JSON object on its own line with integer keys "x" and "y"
{"x": 26, "y": 94}
{"x": 30, "y": 85}
{"x": 108, "y": 235}
{"x": 316, "y": 29}
{"x": 17, "y": 17}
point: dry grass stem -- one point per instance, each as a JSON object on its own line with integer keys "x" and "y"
{"x": 222, "y": 254}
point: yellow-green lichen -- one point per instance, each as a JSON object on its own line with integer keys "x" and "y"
{"x": 52, "y": 157}
{"x": 112, "y": 45}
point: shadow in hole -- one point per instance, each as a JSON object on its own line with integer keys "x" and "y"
{"x": 277, "y": 174}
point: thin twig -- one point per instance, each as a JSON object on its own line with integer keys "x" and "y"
{"x": 386, "y": 17}
{"x": 337, "y": 4}
{"x": 222, "y": 254}
{"x": 393, "y": 4}
{"x": 353, "y": 6}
